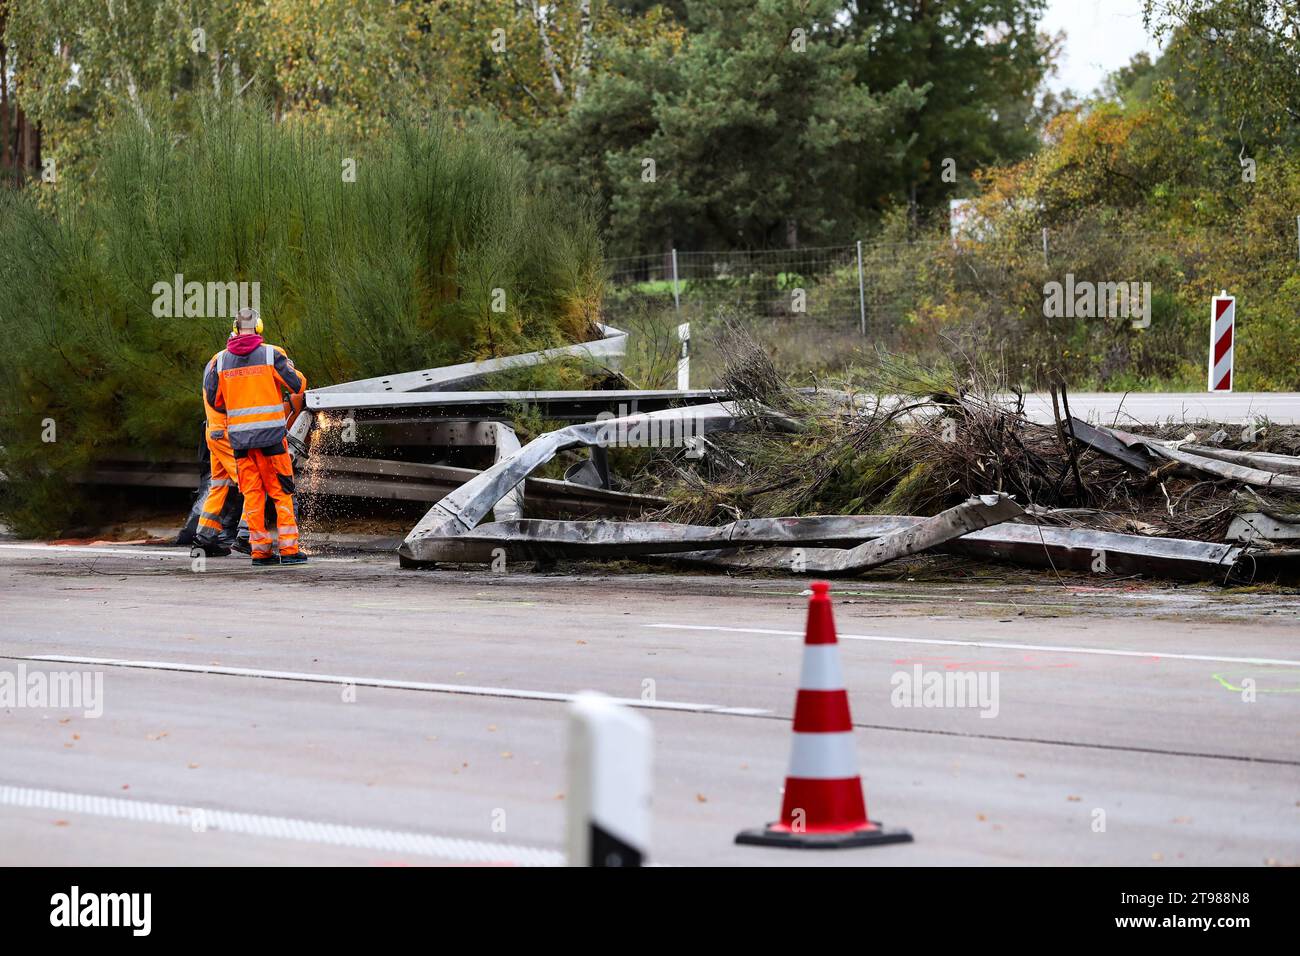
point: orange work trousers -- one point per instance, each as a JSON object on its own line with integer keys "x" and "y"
{"x": 225, "y": 476}
{"x": 262, "y": 474}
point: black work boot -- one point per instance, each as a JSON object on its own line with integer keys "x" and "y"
{"x": 293, "y": 559}
{"x": 210, "y": 546}
{"x": 271, "y": 562}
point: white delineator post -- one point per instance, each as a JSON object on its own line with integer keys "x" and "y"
{"x": 677, "y": 298}
{"x": 1223, "y": 315}
{"x": 608, "y": 798}
{"x": 684, "y": 359}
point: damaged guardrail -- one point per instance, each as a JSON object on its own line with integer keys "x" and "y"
{"x": 986, "y": 527}
{"x": 608, "y": 351}
{"x": 463, "y": 509}
{"x": 823, "y": 544}
{"x": 871, "y": 543}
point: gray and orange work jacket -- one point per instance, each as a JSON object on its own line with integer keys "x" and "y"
{"x": 249, "y": 389}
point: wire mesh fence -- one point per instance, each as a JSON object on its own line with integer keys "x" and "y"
{"x": 990, "y": 290}
{"x": 819, "y": 284}
{"x": 881, "y": 288}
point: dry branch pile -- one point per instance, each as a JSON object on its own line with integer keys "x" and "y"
{"x": 906, "y": 440}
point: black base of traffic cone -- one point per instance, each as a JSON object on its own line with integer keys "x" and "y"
{"x": 873, "y": 835}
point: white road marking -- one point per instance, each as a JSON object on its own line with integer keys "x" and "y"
{"x": 468, "y": 689}
{"x": 1281, "y": 408}
{"x": 53, "y": 550}
{"x": 201, "y": 819}
{"x": 996, "y": 645}
{"x": 61, "y": 550}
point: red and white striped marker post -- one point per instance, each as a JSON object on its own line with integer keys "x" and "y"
{"x": 1223, "y": 315}
{"x": 823, "y": 806}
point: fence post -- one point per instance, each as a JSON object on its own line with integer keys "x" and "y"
{"x": 677, "y": 299}
{"x": 1045, "y": 246}
{"x": 862, "y": 293}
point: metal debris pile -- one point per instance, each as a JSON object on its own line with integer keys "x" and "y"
{"x": 1174, "y": 502}
{"x": 1069, "y": 520}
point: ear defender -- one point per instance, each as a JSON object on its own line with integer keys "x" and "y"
{"x": 234, "y": 326}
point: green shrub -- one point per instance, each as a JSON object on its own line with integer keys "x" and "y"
{"x": 394, "y": 271}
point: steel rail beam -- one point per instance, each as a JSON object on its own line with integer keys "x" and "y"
{"x": 1061, "y": 549}
{"x": 870, "y": 541}
{"x": 609, "y": 351}
{"x": 467, "y": 506}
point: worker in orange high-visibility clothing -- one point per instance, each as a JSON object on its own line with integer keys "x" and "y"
{"x": 225, "y": 475}
{"x": 246, "y": 382}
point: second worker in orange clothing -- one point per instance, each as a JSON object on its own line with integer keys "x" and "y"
{"x": 246, "y": 382}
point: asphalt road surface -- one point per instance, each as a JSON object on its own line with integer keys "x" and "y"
{"x": 348, "y": 712}
{"x": 1125, "y": 409}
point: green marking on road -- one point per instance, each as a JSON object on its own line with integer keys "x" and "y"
{"x": 1228, "y": 685}
{"x": 449, "y": 606}
{"x": 929, "y": 598}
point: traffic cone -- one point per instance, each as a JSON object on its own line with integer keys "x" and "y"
{"x": 823, "y": 806}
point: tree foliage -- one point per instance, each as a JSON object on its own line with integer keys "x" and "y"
{"x": 788, "y": 121}
{"x": 1158, "y": 180}
{"x": 798, "y": 119}
{"x": 1241, "y": 56}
